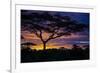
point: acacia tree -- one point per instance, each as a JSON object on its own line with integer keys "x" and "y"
{"x": 56, "y": 25}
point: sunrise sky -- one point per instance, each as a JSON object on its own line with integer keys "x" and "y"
{"x": 81, "y": 38}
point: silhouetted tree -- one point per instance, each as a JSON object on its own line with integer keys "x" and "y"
{"x": 27, "y": 44}
{"x": 76, "y": 47}
{"x": 56, "y": 25}
{"x": 62, "y": 48}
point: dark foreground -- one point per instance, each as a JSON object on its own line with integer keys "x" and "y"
{"x": 28, "y": 55}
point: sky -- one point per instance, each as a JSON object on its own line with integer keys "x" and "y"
{"x": 81, "y": 38}
{"x": 81, "y": 17}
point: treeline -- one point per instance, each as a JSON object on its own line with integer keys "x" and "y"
{"x": 76, "y": 53}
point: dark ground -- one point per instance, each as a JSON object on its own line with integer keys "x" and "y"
{"x": 28, "y": 55}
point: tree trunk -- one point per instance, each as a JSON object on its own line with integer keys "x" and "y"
{"x": 44, "y": 45}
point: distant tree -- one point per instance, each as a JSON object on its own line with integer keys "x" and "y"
{"x": 56, "y": 25}
{"x": 76, "y": 47}
{"x": 27, "y": 45}
{"x": 63, "y": 48}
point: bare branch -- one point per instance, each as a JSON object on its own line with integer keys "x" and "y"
{"x": 41, "y": 37}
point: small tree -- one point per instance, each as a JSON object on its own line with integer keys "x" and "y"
{"x": 56, "y": 25}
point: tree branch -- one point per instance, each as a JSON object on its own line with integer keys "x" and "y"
{"x": 51, "y": 36}
{"x": 35, "y": 32}
{"x": 57, "y": 36}
{"x": 41, "y": 37}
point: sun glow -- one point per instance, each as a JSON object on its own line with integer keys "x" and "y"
{"x": 49, "y": 46}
